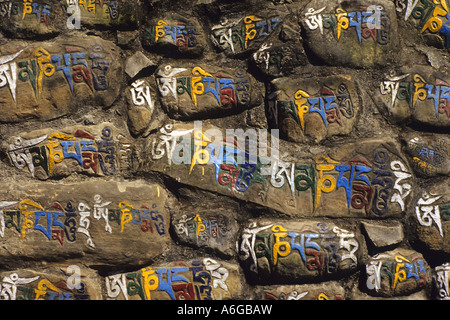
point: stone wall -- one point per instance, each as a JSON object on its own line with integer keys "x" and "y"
{"x": 222, "y": 149}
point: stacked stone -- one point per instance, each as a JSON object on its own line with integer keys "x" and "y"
{"x": 252, "y": 149}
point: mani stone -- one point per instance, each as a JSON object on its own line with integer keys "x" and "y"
{"x": 31, "y": 20}
{"x": 359, "y": 34}
{"x": 144, "y": 110}
{"x": 296, "y": 251}
{"x": 441, "y": 281}
{"x": 283, "y": 50}
{"x": 215, "y": 230}
{"x": 197, "y": 91}
{"x": 399, "y": 272}
{"x": 431, "y": 217}
{"x": 198, "y": 279}
{"x": 110, "y": 14}
{"x": 99, "y": 150}
{"x": 105, "y": 223}
{"x": 328, "y": 290}
{"x": 136, "y": 63}
{"x": 243, "y": 33}
{"x": 384, "y": 236}
{"x": 51, "y": 79}
{"x": 314, "y": 185}
{"x": 313, "y": 109}
{"x": 55, "y": 282}
{"x": 419, "y": 94}
{"x": 429, "y": 155}
{"x": 173, "y": 35}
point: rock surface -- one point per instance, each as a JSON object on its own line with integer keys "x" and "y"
{"x": 228, "y": 150}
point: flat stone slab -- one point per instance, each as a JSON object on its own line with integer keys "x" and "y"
{"x": 101, "y": 222}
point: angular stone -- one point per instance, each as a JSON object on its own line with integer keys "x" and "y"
{"x": 197, "y": 91}
{"x": 47, "y": 80}
{"x": 428, "y": 154}
{"x": 200, "y": 279}
{"x": 441, "y": 281}
{"x": 313, "y": 109}
{"x": 361, "y": 34}
{"x": 30, "y": 20}
{"x": 70, "y": 282}
{"x": 397, "y": 273}
{"x": 329, "y": 290}
{"x": 431, "y": 216}
{"x": 382, "y": 235}
{"x": 215, "y": 231}
{"x": 418, "y": 94}
{"x": 101, "y": 150}
{"x": 242, "y": 33}
{"x": 295, "y": 251}
{"x": 316, "y": 184}
{"x": 136, "y": 63}
{"x": 174, "y": 35}
{"x": 98, "y": 222}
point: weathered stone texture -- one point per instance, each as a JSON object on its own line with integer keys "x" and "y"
{"x": 101, "y": 222}
{"x": 190, "y": 92}
{"x": 431, "y": 216}
{"x": 276, "y": 252}
{"x": 301, "y": 188}
{"x": 200, "y": 279}
{"x": 209, "y": 149}
{"x": 340, "y": 33}
{"x": 397, "y": 273}
{"x": 100, "y": 150}
{"x": 313, "y": 108}
{"x": 68, "y": 282}
{"x": 417, "y": 94}
{"x": 47, "y": 80}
